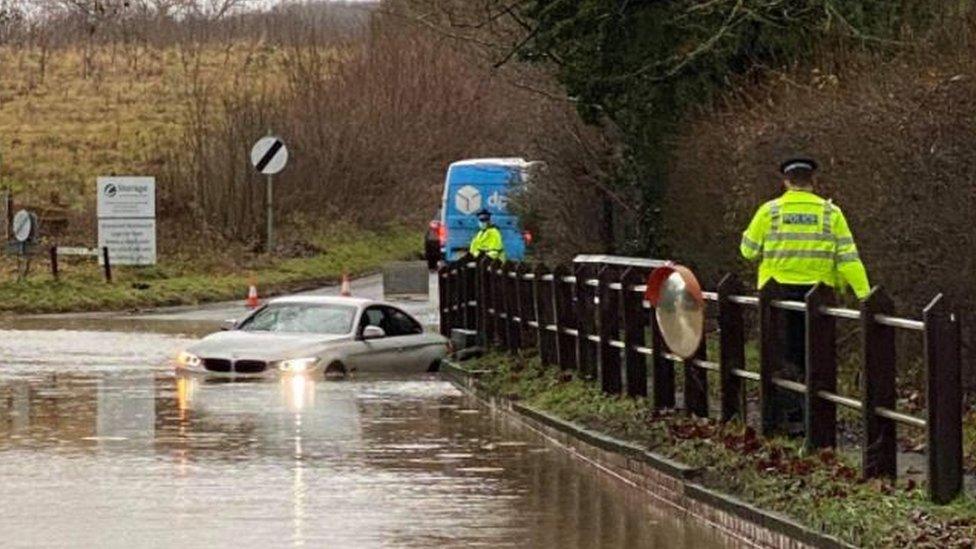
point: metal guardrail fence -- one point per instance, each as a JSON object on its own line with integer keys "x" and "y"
{"x": 592, "y": 318}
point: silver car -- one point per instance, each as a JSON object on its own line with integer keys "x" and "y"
{"x": 334, "y": 335}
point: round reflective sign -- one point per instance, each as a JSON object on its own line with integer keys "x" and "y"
{"x": 679, "y": 308}
{"x": 23, "y": 226}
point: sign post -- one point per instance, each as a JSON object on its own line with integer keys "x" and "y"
{"x": 269, "y": 156}
{"x": 127, "y": 219}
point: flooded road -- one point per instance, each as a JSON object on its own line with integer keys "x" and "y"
{"x": 102, "y": 445}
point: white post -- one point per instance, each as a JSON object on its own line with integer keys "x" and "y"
{"x": 270, "y": 242}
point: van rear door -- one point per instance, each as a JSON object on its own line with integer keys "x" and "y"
{"x": 471, "y": 188}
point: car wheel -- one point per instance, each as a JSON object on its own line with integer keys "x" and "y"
{"x": 335, "y": 370}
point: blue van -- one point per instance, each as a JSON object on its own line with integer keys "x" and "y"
{"x": 472, "y": 185}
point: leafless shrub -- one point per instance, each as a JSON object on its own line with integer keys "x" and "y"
{"x": 371, "y": 127}
{"x": 895, "y": 142}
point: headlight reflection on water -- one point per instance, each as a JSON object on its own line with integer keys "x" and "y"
{"x": 299, "y": 391}
{"x": 185, "y": 389}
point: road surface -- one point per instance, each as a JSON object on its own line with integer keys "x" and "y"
{"x": 103, "y": 444}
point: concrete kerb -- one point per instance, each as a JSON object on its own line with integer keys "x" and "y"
{"x": 666, "y": 480}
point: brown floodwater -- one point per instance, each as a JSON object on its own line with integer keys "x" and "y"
{"x": 102, "y": 445}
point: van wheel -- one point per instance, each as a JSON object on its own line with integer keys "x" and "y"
{"x": 335, "y": 370}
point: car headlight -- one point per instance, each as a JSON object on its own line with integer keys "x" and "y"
{"x": 297, "y": 364}
{"x": 188, "y": 359}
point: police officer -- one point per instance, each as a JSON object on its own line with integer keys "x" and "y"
{"x": 801, "y": 240}
{"x": 489, "y": 238}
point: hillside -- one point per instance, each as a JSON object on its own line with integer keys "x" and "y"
{"x": 60, "y": 129}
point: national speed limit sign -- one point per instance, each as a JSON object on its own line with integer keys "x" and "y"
{"x": 269, "y": 155}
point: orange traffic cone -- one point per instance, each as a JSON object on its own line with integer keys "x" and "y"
{"x": 252, "y": 297}
{"x": 345, "y": 289}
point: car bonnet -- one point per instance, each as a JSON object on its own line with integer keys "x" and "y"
{"x": 237, "y": 344}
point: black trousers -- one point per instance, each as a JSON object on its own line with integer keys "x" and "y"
{"x": 791, "y": 407}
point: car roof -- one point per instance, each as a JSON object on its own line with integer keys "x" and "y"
{"x": 326, "y": 300}
{"x": 360, "y": 302}
{"x": 517, "y": 162}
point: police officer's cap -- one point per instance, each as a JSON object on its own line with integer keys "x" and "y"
{"x": 484, "y": 215}
{"x": 798, "y": 164}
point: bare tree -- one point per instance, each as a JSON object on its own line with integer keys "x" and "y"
{"x": 12, "y": 19}
{"x": 214, "y": 9}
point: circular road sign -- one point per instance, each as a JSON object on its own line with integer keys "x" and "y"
{"x": 269, "y": 155}
{"x": 24, "y": 225}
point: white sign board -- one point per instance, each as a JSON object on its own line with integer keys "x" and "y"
{"x": 126, "y": 198}
{"x": 129, "y": 241}
{"x": 127, "y": 219}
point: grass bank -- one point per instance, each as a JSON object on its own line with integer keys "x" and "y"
{"x": 212, "y": 276}
{"x": 822, "y": 490}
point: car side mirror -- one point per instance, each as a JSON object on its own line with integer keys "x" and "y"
{"x": 228, "y": 324}
{"x": 373, "y": 332}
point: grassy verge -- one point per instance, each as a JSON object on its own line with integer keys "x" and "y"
{"x": 822, "y": 490}
{"x": 185, "y": 281}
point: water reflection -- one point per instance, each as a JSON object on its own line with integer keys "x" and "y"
{"x": 126, "y": 453}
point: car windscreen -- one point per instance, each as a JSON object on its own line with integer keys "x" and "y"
{"x": 314, "y": 318}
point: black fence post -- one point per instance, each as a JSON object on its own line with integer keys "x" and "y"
{"x": 443, "y": 291}
{"x": 770, "y": 356}
{"x": 610, "y": 375}
{"x": 565, "y": 316}
{"x": 518, "y": 324}
{"x": 821, "y": 420}
{"x": 501, "y": 280}
{"x": 463, "y": 294}
{"x": 544, "y": 314}
{"x": 485, "y": 303}
{"x": 549, "y": 295}
{"x": 526, "y": 307}
{"x": 586, "y": 318}
{"x": 54, "y": 262}
{"x": 696, "y": 383}
{"x": 635, "y": 319}
{"x": 511, "y": 307}
{"x": 457, "y": 295}
{"x": 471, "y": 292}
{"x": 879, "y": 448}
{"x": 107, "y": 265}
{"x": 732, "y": 349}
{"x": 497, "y": 303}
{"x": 944, "y": 398}
{"x": 662, "y": 370}
{"x": 501, "y": 318}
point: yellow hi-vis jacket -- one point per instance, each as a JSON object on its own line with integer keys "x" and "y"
{"x": 489, "y": 242}
{"x": 804, "y": 239}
